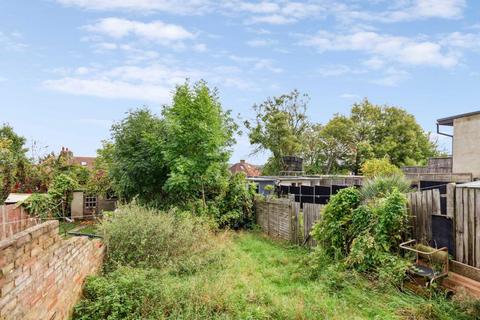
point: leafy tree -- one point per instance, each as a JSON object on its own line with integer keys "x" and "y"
{"x": 235, "y": 204}
{"x": 135, "y": 159}
{"x": 327, "y": 149}
{"x": 13, "y": 160}
{"x": 278, "y": 127}
{"x": 197, "y": 149}
{"x": 373, "y": 131}
{"x": 100, "y": 181}
{"x": 379, "y": 167}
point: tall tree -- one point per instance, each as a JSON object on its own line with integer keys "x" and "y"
{"x": 136, "y": 157}
{"x": 374, "y": 131}
{"x": 278, "y": 127}
{"x": 198, "y": 145}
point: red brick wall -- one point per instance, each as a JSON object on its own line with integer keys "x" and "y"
{"x": 41, "y": 274}
{"x": 14, "y": 219}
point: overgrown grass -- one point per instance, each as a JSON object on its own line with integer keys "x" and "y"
{"x": 255, "y": 278}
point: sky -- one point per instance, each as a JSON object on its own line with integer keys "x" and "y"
{"x": 71, "y": 68}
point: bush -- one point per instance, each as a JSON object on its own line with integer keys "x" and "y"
{"x": 366, "y": 236}
{"x": 379, "y": 167}
{"x": 334, "y": 230}
{"x": 126, "y": 293}
{"x": 379, "y": 187}
{"x": 137, "y": 236}
{"x": 235, "y": 205}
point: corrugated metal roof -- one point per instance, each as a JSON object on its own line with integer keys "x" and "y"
{"x": 17, "y": 197}
{"x": 473, "y": 184}
{"x": 449, "y": 120}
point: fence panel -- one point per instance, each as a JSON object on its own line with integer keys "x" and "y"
{"x": 421, "y": 205}
{"x": 283, "y": 219}
{"x": 467, "y": 226}
{"x": 311, "y": 214}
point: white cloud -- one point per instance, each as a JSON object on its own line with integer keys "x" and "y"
{"x": 392, "y": 48}
{"x": 392, "y": 77}
{"x": 12, "y": 41}
{"x": 374, "y": 63}
{"x": 402, "y": 10}
{"x": 338, "y": 70}
{"x": 153, "y": 83}
{"x": 153, "y": 31}
{"x": 462, "y": 40}
{"x": 274, "y": 19}
{"x": 170, "y": 6}
{"x": 257, "y": 63}
{"x": 261, "y": 42}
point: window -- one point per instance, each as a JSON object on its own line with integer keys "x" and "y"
{"x": 83, "y": 163}
{"x": 90, "y": 202}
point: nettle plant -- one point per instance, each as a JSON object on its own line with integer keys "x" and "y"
{"x": 365, "y": 233}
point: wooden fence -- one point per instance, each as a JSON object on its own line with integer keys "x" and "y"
{"x": 421, "y": 205}
{"x": 283, "y": 219}
{"x": 467, "y": 226}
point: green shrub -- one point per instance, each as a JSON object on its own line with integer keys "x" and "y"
{"x": 126, "y": 293}
{"x": 334, "y": 231}
{"x": 366, "y": 236}
{"x": 379, "y": 167}
{"x": 379, "y": 187}
{"x": 138, "y": 236}
{"x": 40, "y": 205}
{"x": 235, "y": 205}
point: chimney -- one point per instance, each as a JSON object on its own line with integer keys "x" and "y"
{"x": 242, "y": 161}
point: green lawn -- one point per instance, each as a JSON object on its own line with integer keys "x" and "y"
{"x": 266, "y": 280}
{"x": 253, "y": 277}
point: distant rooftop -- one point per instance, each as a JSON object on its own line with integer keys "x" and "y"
{"x": 449, "y": 120}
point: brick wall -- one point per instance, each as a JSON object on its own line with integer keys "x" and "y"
{"x": 41, "y": 274}
{"x": 14, "y": 219}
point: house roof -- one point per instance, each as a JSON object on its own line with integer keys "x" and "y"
{"x": 84, "y": 161}
{"x": 449, "y": 120}
{"x": 17, "y": 197}
{"x": 249, "y": 169}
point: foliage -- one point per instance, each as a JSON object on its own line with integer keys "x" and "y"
{"x": 138, "y": 236}
{"x": 61, "y": 191}
{"x": 235, "y": 204}
{"x": 197, "y": 149}
{"x": 135, "y": 159}
{"x": 383, "y": 185}
{"x": 372, "y": 131}
{"x": 379, "y": 167}
{"x": 256, "y": 278}
{"x": 328, "y": 148}
{"x": 126, "y": 293}
{"x": 100, "y": 181}
{"x": 334, "y": 231}
{"x": 40, "y": 205}
{"x": 278, "y": 127}
{"x": 13, "y": 160}
{"x": 366, "y": 236}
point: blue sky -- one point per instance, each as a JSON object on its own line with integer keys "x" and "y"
{"x": 70, "y": 68}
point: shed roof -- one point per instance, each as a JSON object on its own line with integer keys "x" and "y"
{"x": 449, "y": 120}
{"x": 17, "y": 197}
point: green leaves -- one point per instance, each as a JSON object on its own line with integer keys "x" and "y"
{"x": 279, "y": 126}
{"x": 365, "y": 234}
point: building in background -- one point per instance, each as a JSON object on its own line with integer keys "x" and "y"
{"x": 249, "y": 169}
